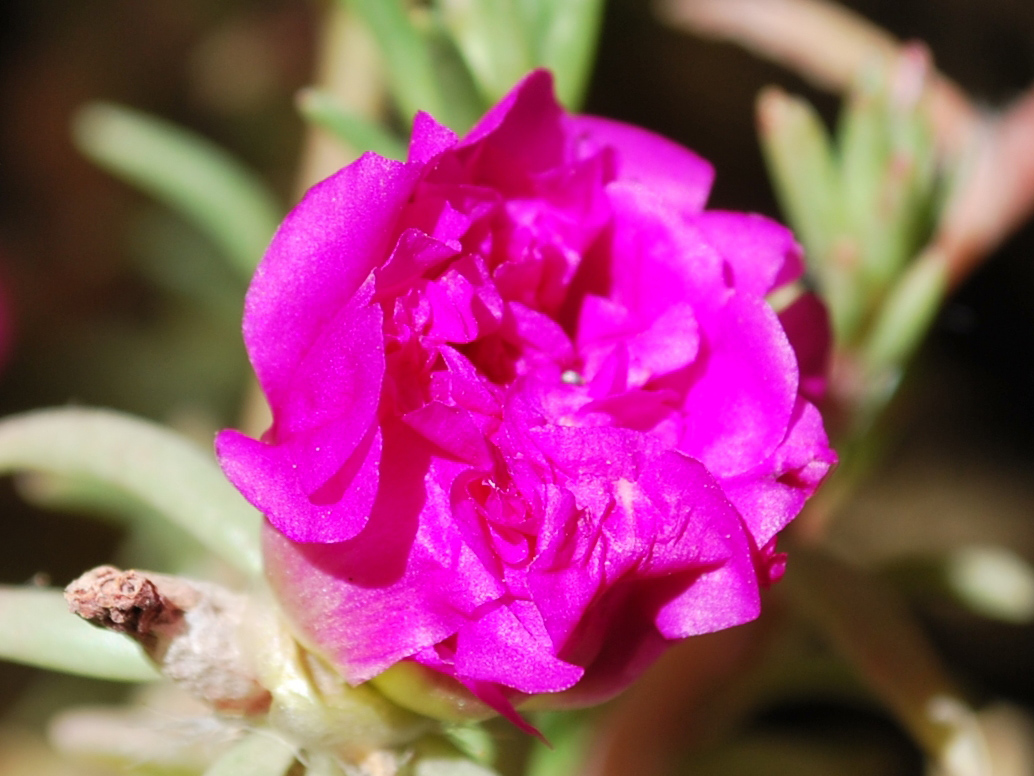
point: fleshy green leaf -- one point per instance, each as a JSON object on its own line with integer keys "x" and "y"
{"x": 801, "y": 164}
{"x": 570, "y": 735}
{"x": 568, "y": 46}
{"x": 496, "y": 40}
{"x": 325, "y": 110}
{"x": 465, "y": 105}
{"x": 149, "y": 462}
{"x": 434, "y": 757}
{"x": 259, "y": 754}
{"x": 472, "y": 740}
{"x": 152, "y": 542}
{"x": 37, "y": 629}
{"x": 907, "y": 312}
{"x": 502, "y": 40}
{"x": 187, "y": 172}
{"x": 406, "y": 54}
{"x": 804, "y": 173}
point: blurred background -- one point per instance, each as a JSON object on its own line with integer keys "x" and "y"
{"x": 108, "y": 299}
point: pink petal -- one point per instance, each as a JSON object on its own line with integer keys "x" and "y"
{"x": 429, "y": 138}
{"x": 807, "y": 326}
{"x": 743, "y": 389}
{"x": 452, "y": 430}
{"x": 508, "y": 645}
{"x": 521, "y": 135}
{"x": 322, "y": 252}
{"x": 408, "y": 581}
{"x": 762, "y": 253}
{"x": 676, "y": 176}
{"x": 773, "y": 493}
{"x": 334, "y": 393}
{"x": 269, "y": 479}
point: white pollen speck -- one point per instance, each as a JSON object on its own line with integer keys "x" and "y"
{"x": 571, "y": 377}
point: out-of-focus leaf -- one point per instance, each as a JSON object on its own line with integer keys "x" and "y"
{"x": 152, "y": 542}
{"x": 568, "y": 45}
{"x": 464, "y": 101}
{"x": 801, "y": 164}
{"x": 187, "y": 172}
{"x": 259, "y": 754}
{"x": 570, "y": 736}
{"x": 496, "y": 39}
{"x": 502, "y": 40}
{"x": 434, "y": 757}
{"x": 472, "y": 740}
{"x": 864, "y": 145}
{"x": 907, "y": 313}
{"x": 37, "y": 629}
{"x": 156, "y": 737}
{"x": 992, "y": 581}
{"x": 804, "y": 173}
{"x": 323, "y": 764}
{"x": 874, "y": 631}
{"x": 151, "y": 463}
{"x": 406, "y": 54}
{"x": 325, "y": 110}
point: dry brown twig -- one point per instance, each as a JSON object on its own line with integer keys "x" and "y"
{"x": 828, "y": 45}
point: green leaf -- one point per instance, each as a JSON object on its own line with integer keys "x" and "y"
{"x": 406, "y": 54}
{"x": 472, "y": 740}
{"x": 158, "y": 467}
{"x": 261, "y": 753}
{"x": 434, "y": 757}
{"x": 37, "y": 629}
{"x": 800, "y": 160}
{"x": 465, "y": 103}
{"x": 152, "y": 542}
{"x": 324, "y": 110}
{"x": 190, "y": 174}
{"x": 502, "y": 40}
{"x": 906, "y": 314}
{"x": 495, "y": 39}
{"x": 804, "y": 173}
{"x": 568, "y": 46}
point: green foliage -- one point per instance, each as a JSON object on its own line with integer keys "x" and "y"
{"x": 324, "y": 110}
{"x": 261, "y": 753}
{"x": 145, "y": 461}
{"x": 37, "y": 629}
{"x": 188, "y": 173}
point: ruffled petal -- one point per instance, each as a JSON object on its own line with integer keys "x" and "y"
{"x": 807, "y": 326}
{"x": 676, "y": 176}
{"x": 407, "y": 582}
{"x": 763, "y": 254}
{"x": 319, "y": 257}
{"x": 738, "y": 405}
{"x": 270, "y": 479}
{"x": 770, "y": 495}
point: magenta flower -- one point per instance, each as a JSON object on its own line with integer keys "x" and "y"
{"x": 533, "y": 417}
